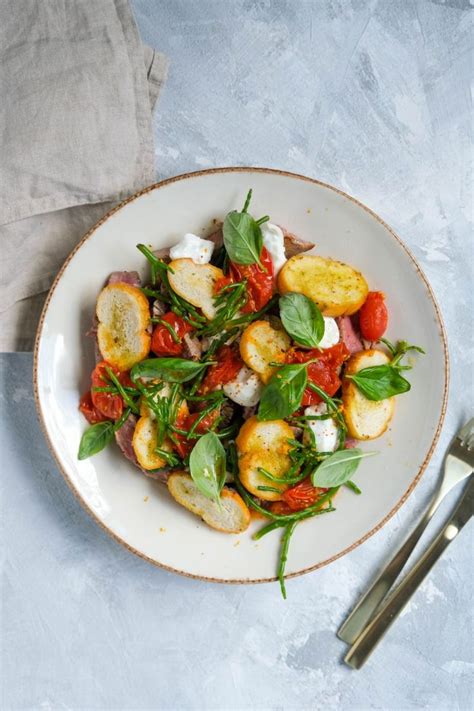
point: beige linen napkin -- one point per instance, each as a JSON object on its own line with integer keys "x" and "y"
{"x": 77, "y": 89}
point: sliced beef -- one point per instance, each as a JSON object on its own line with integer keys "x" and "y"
{"x": 124, "y": 436}
{"x": 350, "y": 443}
{"x": 295, "y": 245}
{"x": 163, "y": 254}
{"x": 160, "y": 474}
{"x": 217, "y": 237}
{"x": 297, "y": 431}
{"x": 192, "y": 347}
{"x": 249, "y": 411}
{"x": 92, "y": 333}
{"x": 158, "y": 309}
{"x": 228, "y": 410}
{"x": 349, "y": 335}
{"x": 131, "y": 278}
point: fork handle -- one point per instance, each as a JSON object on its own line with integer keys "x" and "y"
{"x": 366, "y": 607}
{"x": 375, "y": 630}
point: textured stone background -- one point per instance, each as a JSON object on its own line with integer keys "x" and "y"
{"x": 374, "y": 98}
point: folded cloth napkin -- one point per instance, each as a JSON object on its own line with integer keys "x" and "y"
{"x": 78, "y": 89}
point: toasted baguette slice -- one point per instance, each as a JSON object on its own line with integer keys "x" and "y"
{"x": 252, "y": 478}
{"x": 265, "y": 445}
{"x": 337, "y": 288}
{"x": 144, "y": 444}
{"x": 195, "y": 283}
{"x": 271, "y": 435}
{"x": 366, "y": 419}
{"x": 260, "y": 345}
{"x": 232, "y": 516}
{"x": 124, "y": 315}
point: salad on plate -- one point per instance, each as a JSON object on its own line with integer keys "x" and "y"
{"x": 243, "y": 375}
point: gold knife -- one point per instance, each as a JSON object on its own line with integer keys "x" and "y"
{"x": 388, "y": 613}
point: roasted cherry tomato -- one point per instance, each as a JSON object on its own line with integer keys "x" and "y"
{"x": 183, "y": 445}
{"x": 323, "y": 372}
{"x": 90, "y": 412}
{"x": 373, "y": 316}
{"x": 163, "y": 343}
{"x": 221, "y": 283}
{"x": 110, "y": 405}
{"x": 228, "y": 365}
{"x": 302, "y": 495}
{"x": 259, "y": 281}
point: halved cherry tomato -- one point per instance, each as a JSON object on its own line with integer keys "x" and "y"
{"x": 221, "y": 283}
{"x": 259, "y": 281}
{"x": 183, "y": 445}
{"x": 373, "y": 316}
{"x": 302, "y": 495}
{"x": 228, "y": 365}
{"x": 162, "y": 342}
{"x": 108, "y": 404}
{"x": 323, "y": 372}
{"x": 90, "y": 412}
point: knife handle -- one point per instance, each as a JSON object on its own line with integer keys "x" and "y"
{"x": 375, "y": 630}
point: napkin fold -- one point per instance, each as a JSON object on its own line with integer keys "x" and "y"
{"x": 78, "y": 90}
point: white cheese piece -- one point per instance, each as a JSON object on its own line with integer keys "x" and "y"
{"x": 274, "y": 241}
{"x": 245, "y": 389}
{"x": 331, "y": 333}
{"x": 193, "y": 247}
{"x": 326, "y": 433}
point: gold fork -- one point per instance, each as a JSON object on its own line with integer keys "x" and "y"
{"x": 357, "y": 629}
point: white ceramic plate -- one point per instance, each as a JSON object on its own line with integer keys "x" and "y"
{"x": 138, "y": 512}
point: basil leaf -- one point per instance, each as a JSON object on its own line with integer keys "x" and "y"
{"x": 95, "y": 438}
{"x": 242, "y": 238}
{"x": 302, "y": 319}
{"x": 207, "y": 463}
{"x": 379, "y": 382}
{"x": 283, "y": 394}
{"x": 339, "y": 467}
{"x": 172, "y": 370}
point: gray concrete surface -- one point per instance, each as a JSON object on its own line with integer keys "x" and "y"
{"x": 374, "y": 98}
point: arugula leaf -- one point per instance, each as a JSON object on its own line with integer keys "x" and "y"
{"x": 172, "y": 370}
{"x": 242, "y": 238}
{"x": 95, "y": 439}
{"x": 302, "y": 319}
{"x": 283, "y": 393}
{"x": 379, "y": 382}
{"x": 339, "y": 467}
{"x": 207, "y": 464}
{"x": 400, "y": 348}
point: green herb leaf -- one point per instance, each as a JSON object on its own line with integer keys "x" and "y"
{"x": 339, "y": 467}
{"x": 207, "y": 464}
{"x": 95, "y": 439}
{"x": 379, "y": 382}
{"x": 302, "y": 319}
{"x": 401, "y": 349}
{"x": 242, "y": 238}
{"x": 285, "y": 542}
{"x": 172, "y": 370}
{"x": 283, "y": 394}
